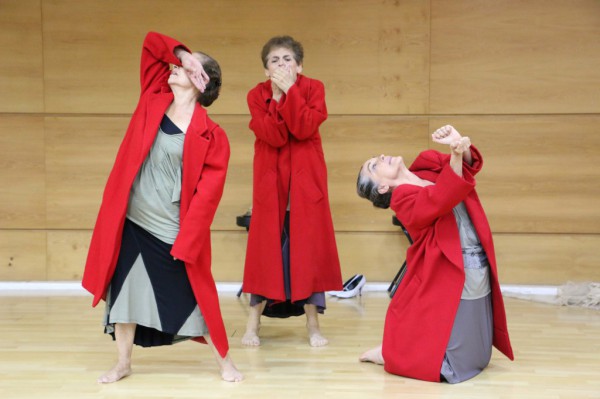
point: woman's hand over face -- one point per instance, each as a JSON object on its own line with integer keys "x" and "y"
{"x": 195, "y": 71}
{"x": 283, "y": 78}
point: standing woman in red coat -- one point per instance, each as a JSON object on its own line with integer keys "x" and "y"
{"x": 149, "y": 257}
{"x": 448, "y": 311}
{"x": 291, "y": 258}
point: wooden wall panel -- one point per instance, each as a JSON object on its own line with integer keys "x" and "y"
{"x": 93, "y": 65}
{"x": 373, "y": 56}
{"x": 21, "y": 57}
{"x": 22, "y": 172}
{"x": 228, "y": 255}
{"x": 540, "y": 172}
{"x": 547, "y": 258}
{"x": 66, "y": 254}
{"x": 22, "y": 255}
{"x": 80, "y": 152}
{"x": 378, "y": 256}
{"x": 515, "y": 57}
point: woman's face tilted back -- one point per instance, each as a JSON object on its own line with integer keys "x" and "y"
{"x": 383, "y": 170}
{"x": 378, "y": 177}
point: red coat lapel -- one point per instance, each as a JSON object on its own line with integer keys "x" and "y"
{"x": 157, "y": 106}
{"x": 450, "y": 245}
{"x": 197, "y": 141}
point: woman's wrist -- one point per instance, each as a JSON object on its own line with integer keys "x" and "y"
{"x": 456, "y": 162}
{"x": 180, "y": 52}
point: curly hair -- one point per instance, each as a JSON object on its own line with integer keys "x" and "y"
{"x": 286, "y": 42}
{"x": 213, "y": 88}
{"x": 367, "y": 188}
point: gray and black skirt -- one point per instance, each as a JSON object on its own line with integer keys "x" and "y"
{"x": 151, "y": 289}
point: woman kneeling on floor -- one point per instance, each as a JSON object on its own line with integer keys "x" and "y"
{"x": 448, "y": 311}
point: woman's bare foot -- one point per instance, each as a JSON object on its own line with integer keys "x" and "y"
{"x": 115, "y": 374}
{"x": 124, "y": 334}
{"x": 251, "y": 338}
{"x": 229, "y": 372}
{"x": 315, "y": 338}
{"x": 312, "y": 325}
{"x": 373, "y": 356}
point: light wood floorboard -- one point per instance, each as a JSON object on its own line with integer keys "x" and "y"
{"x": 53, "y": 347}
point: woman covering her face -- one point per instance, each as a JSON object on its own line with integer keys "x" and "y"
{"x": 291, "y": 257}
{"x": 448, "y": 311}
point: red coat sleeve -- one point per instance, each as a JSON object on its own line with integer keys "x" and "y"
{"x": 476, "y": 164}
{"x": 418, "y": 207}
{"x": 430, "y": 163}
{"x": 266, "y": 123}
{"x": 157, "y": 54}
{"x": 303, "y": 108}
{"x": 195, "y": 228}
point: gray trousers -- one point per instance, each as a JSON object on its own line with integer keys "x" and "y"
{"x": 470, "y": 347}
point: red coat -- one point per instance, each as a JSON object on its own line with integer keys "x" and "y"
{"x": 288, "y": 158}
{"x": 205, "y": 160}
{"x": 420, "y": 317}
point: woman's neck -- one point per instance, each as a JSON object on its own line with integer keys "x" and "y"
{"x": 410, "y": 178}
{"x": 184, "y": 98}
{"x": 182, "y": 109}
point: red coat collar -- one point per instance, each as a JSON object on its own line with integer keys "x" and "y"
{"x": 159, "y": 106}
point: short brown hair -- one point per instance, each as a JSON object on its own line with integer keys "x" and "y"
{"x": 287, "y": 42}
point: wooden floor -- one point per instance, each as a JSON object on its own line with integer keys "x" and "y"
{"x": 53, "y": 347}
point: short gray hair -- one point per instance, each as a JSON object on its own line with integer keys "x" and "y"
{"x": 368, "y": 189}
